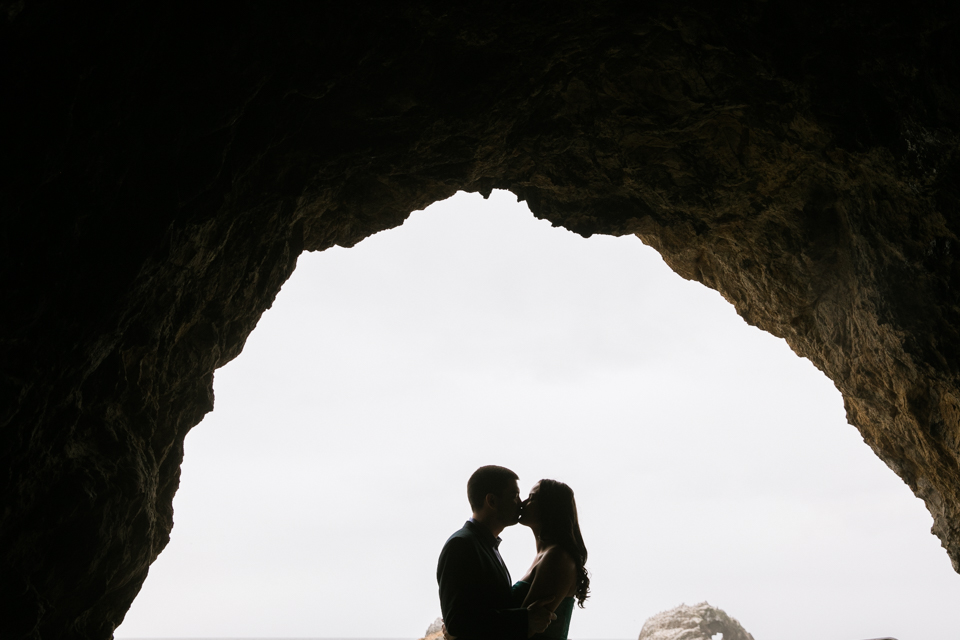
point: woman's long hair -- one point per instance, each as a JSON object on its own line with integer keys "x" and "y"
{"x": 559, "y": 525}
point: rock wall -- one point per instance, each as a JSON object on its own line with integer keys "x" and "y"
{"x": 165, "y": 164}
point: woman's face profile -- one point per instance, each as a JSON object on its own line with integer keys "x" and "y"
{"x": 530, "y": 509}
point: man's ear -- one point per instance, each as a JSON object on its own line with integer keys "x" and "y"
{"x": 492, "y": 500}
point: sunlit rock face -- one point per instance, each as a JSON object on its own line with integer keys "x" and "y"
{"x": 699, "y": 622}
{"x": 164, "y": 166}
{"x": 434, "y": 631}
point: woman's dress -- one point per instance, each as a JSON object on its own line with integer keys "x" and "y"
{"x": 558, "y": 628}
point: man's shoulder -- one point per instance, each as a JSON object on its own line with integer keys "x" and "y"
{"x": 462, "y": 535}
{"x": 464, "y": 540}
{"x": 461, "y": 547}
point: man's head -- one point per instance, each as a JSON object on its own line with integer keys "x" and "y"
{"x": 494, "y": 496}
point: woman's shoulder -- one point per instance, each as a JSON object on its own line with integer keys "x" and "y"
{"x": 556, "y": 558}
{"x": 557, "y": 568}
{"x": 556, "y": 553}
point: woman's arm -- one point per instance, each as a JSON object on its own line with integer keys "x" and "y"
{"x": 554, "y": 579}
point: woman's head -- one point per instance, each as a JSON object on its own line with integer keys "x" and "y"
{"x": 552, "y": 509}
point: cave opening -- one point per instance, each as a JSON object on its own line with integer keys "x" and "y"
{"x": 165, "y": 169}
{"x": 385, "y": 373}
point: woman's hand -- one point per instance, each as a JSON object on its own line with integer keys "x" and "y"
{"x": 446, "y": 634}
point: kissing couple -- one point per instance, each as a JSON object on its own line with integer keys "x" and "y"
{"x": 477, "y": 599}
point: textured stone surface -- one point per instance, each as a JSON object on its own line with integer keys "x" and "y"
{"x": 164, "y": 165}
{"x": 434, "y": 631}
{"x": 435, "y": 627}
{"x": 699, "y": 622}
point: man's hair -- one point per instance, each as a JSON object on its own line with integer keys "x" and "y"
{"x": 488, "y": 479}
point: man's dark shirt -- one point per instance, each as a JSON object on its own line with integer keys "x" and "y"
{"x": 475, "y": 588}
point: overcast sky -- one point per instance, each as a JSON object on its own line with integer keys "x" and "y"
{"x": 708, "y": 460}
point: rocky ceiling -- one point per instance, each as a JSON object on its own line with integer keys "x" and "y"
{"x": 164, "y": 165}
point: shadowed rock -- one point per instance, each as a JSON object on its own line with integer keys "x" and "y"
{"x": 164, "y": 165}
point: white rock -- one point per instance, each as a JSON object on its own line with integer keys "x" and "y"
{"x": 434, "y": 627}
{"x": 699, "y": 622}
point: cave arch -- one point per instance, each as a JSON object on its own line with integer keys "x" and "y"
{"x": 165, "y": 167}
{"x": 377, "y": 366}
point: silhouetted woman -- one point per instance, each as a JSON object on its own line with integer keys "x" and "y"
{"x": 557, "y": 575}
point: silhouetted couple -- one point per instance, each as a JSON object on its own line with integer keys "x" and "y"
{"x": 477, "y": 598}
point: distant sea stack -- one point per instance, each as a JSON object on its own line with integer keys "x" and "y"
{"x": 699, "y": 622}
{"x": 434, "y": 631}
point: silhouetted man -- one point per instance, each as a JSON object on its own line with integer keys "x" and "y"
{"x": 474, "y": 581}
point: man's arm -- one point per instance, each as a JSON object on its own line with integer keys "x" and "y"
{"x": 468, "y": 612}
{"x": 539, "y": 618}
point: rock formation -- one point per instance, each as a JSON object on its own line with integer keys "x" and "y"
{"x": 164, "y": 164}
{"x": 434, "y": 631}
{"x": 699, "y": 622}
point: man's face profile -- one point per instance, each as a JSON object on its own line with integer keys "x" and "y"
{"x": 508, "y": 505}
